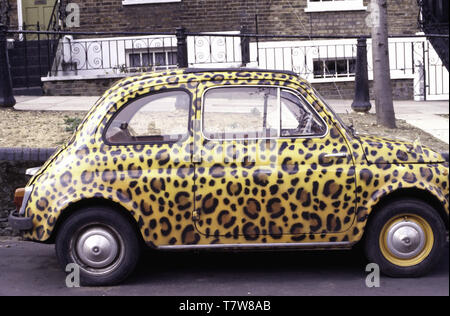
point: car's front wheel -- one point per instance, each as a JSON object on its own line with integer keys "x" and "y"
{"x": 101, "y": 242}
{"x": 406, "y": 238}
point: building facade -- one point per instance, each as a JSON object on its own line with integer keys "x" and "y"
{"x": 89, "y": 64}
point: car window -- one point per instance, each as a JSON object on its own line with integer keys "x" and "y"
{"x": 160, "y": 117}
{"x": 241, "y": 113}
{"x": 297, "y": 118}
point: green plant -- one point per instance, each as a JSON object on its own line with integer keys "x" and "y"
{"x": 71, "y": 123}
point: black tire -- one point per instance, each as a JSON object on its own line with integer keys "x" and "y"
{"x": 81, "y": 226}
{"x": 392, "y": 210}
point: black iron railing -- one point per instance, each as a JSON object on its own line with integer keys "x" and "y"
{"x": 62, "y": 54}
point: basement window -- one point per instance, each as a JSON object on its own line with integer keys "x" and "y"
{"x": 133, "y": 2}
{"x": 335, "y": 5}
{"x": 334, "y": 68}
{"x": 141, "y": 61}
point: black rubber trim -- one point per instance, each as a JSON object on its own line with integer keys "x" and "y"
{"x": 26, "y": 154}
{"x": 19, "y": 222}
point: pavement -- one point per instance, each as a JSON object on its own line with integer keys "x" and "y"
{"x": 426, "y": 115}
{"x": 32, "y": 269}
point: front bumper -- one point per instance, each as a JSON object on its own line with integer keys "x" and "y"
{"x": 20, "y": 223}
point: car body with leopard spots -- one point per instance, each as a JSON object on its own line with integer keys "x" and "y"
{"x": 233, "y": 159}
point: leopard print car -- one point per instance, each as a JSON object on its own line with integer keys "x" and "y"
{"x": 192, "y": 158}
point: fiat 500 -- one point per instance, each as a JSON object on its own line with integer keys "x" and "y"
{"x": 231, "y": 159}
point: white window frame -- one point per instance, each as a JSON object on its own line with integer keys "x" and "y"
{"x": 335, "y": 5}
{"x": 134, "y": 2}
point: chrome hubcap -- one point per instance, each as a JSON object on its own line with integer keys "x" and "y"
{"x": 97, "y": 247}
{"x": 405, "y": 239}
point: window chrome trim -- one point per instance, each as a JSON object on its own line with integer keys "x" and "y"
{"x": 280, "y": 88}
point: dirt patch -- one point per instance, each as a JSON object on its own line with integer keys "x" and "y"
{"x": 444, "y": 116}
{"x": 35, "y": 128}
{"x": 366, "y": 124}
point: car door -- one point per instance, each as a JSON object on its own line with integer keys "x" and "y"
{"x": 269, "y": 166}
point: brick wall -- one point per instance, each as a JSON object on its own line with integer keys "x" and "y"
{"x": 275, "y": 17}
{"x": 13, "y": 164}
{"x": 402, "y": 89}
{"x": 88, "y": 87}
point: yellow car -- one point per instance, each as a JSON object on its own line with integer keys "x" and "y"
{"x": 232, "y": 159}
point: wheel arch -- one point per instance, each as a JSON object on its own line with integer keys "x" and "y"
{"x": 413, "y": 193}
{"x": 74, "y": 207}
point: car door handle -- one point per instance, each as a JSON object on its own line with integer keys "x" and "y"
{"x": 337, "y": 155}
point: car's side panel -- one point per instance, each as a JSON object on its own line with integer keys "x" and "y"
{"x": 72, "y": 176}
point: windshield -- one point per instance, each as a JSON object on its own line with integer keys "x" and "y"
{"x": 348, "y": 128}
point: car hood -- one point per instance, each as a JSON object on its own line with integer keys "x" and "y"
{"x": 383, "y": 150}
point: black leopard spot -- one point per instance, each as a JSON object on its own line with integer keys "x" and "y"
{"x": 183, "y": 201}
{"x": 261, "y": 177}
{"x": 42, "y": 204}
{"x": 134, "y": 172}
{"x": 189, "y": 236}
{"x": 275, "y": 208}
{"x": 158, "y": 185}
{"x": 303, "y": 197}
{"x": 226, "y": 219}
{"x": 162, "y": 157}
{"x": 217, "y": 171}
{"x": 275, "y": 231}
{"x": 289, "y": 166}
{"x": 234, "y": 189}
{"x": 315, "y": 222}
{"x": 410, "y": 177}
{"x": 333, "y": 223}
{"x": 332, "y": 189}
{"x": 109, "y": 176}
{"x": 66, "y": 179}
{"x": 252, "y": 209}
{"x": 250, "y": 231}
{"x": 426, "y": 173}
{"x": 297, "y": 229}
{"x": 166, "y": 227}
{"x": 87, "y": 177}
{"x": 82, "y": 152}
{"x": 401, "y": 155}
{"x": 124, "y": 196}
{"x": 209, "y": 204}
{"x": 366, "y": 175}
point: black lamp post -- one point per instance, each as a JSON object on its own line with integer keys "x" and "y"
{"x": 6, "y": 91}
{"x": 361, "y": 103}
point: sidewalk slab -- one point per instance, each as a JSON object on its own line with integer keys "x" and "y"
{"x": 54, "y": 103}
{"x": 432, "y": 124}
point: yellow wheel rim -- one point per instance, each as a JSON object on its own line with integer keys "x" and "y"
{"x": 406, "y": 240}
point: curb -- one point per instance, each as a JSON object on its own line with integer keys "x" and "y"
{"x": 26, "y": 154}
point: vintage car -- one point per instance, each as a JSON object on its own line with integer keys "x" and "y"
{"x": 231, "y": 159}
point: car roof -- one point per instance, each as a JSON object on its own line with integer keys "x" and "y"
{"x": 183, "y": 71}
{"x": 254, "y": 70}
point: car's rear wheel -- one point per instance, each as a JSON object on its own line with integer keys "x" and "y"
{"x": 406, "y": 238}
{"x": 102, "y": 242}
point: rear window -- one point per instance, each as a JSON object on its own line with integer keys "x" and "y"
{"x": 160, "y": 117}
